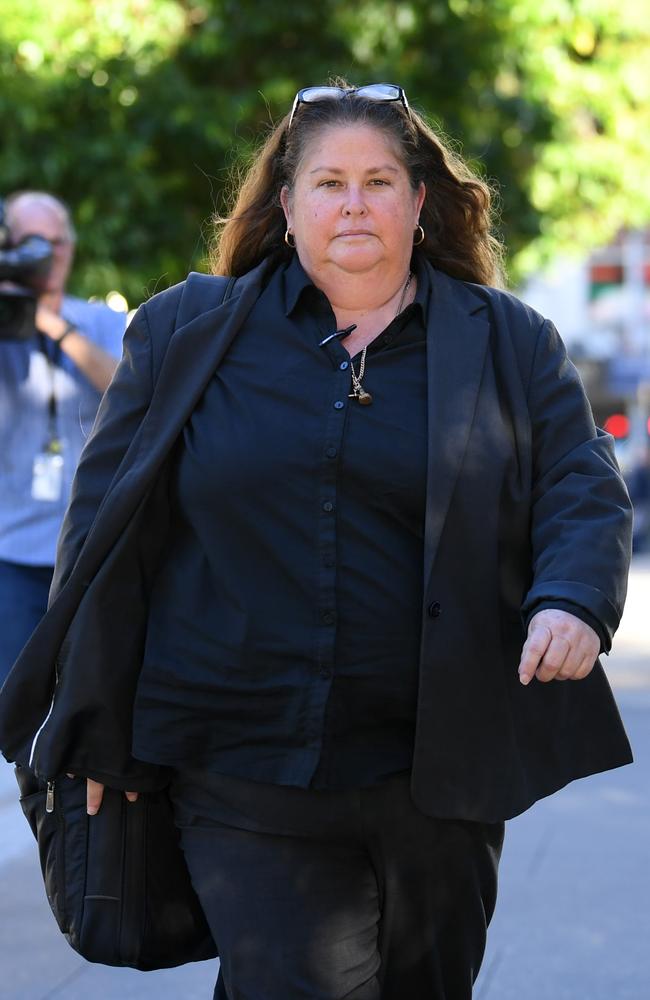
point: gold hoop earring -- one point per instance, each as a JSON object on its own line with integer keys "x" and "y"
{"x": 421, "y": 240}
{"x": 287, "y": 234}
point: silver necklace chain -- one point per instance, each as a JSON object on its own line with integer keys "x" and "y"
{"x": 359, "y": 392}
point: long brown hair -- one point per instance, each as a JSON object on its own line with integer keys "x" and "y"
{"x": 456, "y": 215}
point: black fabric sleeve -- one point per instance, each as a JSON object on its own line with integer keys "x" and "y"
{"x": 581, "y": 514}
{"x": 120, "y": 412}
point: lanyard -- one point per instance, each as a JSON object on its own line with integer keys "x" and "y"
{"x": 53, "y": 443}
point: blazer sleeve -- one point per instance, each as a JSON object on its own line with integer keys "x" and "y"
{"x": 581, "y": 518}
{"x": 120, "y": 412}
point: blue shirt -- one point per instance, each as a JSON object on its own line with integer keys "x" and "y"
{"x": 29, "y": 528}
{"x": 284, "y": 628}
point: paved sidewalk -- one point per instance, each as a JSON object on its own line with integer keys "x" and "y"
{"x": 573, "y": 917}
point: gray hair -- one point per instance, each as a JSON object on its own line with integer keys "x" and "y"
{"x": 46, "y": 200}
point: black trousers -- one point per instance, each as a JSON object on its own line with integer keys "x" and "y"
{"x": 321, "y": 895}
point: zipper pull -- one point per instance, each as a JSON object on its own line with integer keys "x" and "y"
{"x": 49, "y": 798}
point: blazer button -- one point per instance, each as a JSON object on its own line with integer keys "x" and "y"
{"x": 434, "y": 609}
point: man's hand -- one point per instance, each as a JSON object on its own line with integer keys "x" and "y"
{"x": 49, "y": 322}
{"x": 93, "y": 361}
{"x": 559, "y": 647}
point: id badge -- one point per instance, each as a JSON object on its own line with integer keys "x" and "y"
{"x": 47, "y": 476}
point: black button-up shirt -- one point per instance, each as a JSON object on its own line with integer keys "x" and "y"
{"x": 285, "y": 621}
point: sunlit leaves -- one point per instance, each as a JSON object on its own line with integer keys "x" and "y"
{"x": 135, "y": 109}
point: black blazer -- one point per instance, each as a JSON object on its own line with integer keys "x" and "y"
{"x": 524, "y": 504}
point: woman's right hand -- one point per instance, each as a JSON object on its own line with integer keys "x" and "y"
{"x": 95, "y": 794}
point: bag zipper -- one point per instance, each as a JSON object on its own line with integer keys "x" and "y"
{"x": 49, "y": 795}
{"x": 45, "y": 720}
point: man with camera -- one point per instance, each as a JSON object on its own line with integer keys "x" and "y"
{"x": 57, "y": 356}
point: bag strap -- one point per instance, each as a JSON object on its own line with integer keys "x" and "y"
{"x": 201, "y": 292}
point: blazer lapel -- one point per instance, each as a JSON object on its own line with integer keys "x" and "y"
{"x": 191, "y": 358}
{"x": 194, "y": 352}
{"x": 457, "y": 338}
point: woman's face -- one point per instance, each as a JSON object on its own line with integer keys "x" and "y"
{"x": 352, "y": 207}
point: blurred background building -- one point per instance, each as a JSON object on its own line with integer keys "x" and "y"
{"x": 602, "y": 304}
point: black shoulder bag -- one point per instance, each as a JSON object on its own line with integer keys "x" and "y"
{"x": 117, "y": 882}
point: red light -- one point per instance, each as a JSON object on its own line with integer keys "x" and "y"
{"x": 606, "y": 274}
{"x": 618, "y": 425}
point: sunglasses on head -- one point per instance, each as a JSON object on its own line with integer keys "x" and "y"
{"x": 380, "y": 92}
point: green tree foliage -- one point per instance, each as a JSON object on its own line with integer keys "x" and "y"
{"x": 135, "y": 111}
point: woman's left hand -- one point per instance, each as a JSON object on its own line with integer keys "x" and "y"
{"x": 559, "y": 647}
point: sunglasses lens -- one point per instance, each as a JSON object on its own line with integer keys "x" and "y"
{"x": 380, "y": 92}
{"x": 311, "y": 95}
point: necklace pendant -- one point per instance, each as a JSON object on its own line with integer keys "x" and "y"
{"x": 364, "y": 398}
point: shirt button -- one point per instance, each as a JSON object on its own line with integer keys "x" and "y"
{"x": 328, "y": 506}
{"x": 434, "y": 609}
{"x": 328, "y": 617}
{"x": 325, "y": 673}
{"x": 339, "y": 404}
{"x": 331, "y": 452}
{"x": 344, "y": 365}
{"x": 329, "y": 561}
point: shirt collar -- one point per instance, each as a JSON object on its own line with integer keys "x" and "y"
{"x": 296, "y": 281}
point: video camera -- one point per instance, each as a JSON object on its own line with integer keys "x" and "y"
{"x": 22, "y": 267}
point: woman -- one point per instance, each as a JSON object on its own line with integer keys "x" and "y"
{"x": 347, "y": 532}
